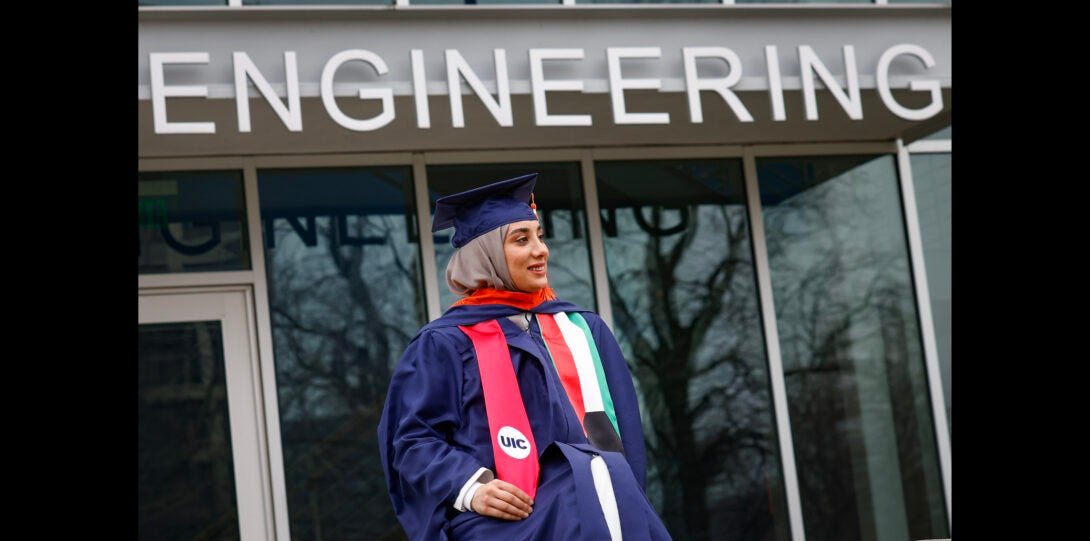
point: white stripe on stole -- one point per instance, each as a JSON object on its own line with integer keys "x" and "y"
{"x": 604, "y": 486}
{"x": 584, "y": 363}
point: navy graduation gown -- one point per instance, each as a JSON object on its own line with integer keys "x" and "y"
{"x": 434, "y": 435}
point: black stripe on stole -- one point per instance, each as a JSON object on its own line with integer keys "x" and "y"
{"x": 600, "y": 432}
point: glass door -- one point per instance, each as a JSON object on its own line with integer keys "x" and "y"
{"x": 203, "y": 461}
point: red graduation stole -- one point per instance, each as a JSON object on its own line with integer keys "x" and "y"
{"x": 512, "y": 440}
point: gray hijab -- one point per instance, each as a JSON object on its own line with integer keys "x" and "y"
{"x": 480, "y": 263}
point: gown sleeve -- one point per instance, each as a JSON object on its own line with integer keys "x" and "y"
{"x": 623, "y": 392}
{"x": 424, "y": 470}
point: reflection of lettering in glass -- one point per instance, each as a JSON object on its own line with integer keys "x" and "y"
{"x": 656, "y": 212}
{"x": 609, "y": 220}
{"x": 153, "y": 214}
{"x": 551, "y": 219}
{"x": 306, "y": 227}
{"x": 194, "y": 249}
{"x": 191, "y": 221}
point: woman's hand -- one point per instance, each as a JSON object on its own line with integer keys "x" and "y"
{"x": 501, "y": 499}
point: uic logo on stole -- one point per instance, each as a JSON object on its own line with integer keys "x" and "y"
{"x": 513, "y": 443}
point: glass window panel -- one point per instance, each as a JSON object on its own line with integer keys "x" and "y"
{"x": 185, "y": 470}
{"x": 686, "y": 313}
{"x": 480, "y": 2}
{"x": 317, "y": 2}
{"x": 648, "y": 2}
{"x": 852, "y": 357}
{"x": 931, "y": 178}
{"x": 346, "y": 295}
{"x": 182, "y": 2}
{"x": 192, "y": 221}
{"x": 943, "y": 134}
{"x": 560, "y": 204}
{"x": 804, "y": 2}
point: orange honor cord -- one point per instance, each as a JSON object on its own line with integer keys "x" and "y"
{"x": 523, "y": 301}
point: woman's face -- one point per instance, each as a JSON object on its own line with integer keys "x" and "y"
{"x": 526, "y": 254}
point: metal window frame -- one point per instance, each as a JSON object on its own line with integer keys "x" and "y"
{"x": 768, "y": 310}
{"x": 197, "y": 278}
{"x": 255, "y": 278}
{"x": 772, "y": 348}
{"x": 930, "y": 146}
{"x": 233, "y": 307}
{"x": 406, "y": 3}
{"x": 923, "y": 305}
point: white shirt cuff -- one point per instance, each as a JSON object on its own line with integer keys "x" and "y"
{"x": 468, "y": 501}
{"x": 465, "y": 496}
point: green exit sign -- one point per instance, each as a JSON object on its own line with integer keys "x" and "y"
{"x": 152, "y": 212}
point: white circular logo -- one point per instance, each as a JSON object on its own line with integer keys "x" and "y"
{"x": 513, "y": 442}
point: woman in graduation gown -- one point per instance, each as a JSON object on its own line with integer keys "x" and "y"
{"x": 513, "y": 416}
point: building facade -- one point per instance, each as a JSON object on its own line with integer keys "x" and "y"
{"x": 755, "y": 197}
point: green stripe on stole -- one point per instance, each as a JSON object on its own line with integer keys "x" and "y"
{"x": 607, "y": 400}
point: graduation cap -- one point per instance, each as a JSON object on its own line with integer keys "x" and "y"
{"x": 475, "y": 212}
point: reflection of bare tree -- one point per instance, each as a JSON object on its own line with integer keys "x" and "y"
{"x": 340, "y": 322}
{"x": 823, "y": 398}
{"x": 186, "y": 476}
{"x": 852, "y": 362}
{"x": 689, "y": 314}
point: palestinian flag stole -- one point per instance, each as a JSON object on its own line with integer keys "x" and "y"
{"x": 575, "y": 355}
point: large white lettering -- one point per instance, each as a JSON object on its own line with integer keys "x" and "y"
{"x": 775, "y": 83}
{"x": 693, "y": 84}
{"x": 500, "y": 107}
{"x": 538, "y": 86}
{"x": 882, "y": 76}
{"x": 420, "y": 89}
{"x": 810, "y": 63}
{"x": 288, "y": 103}
{"x": 617, "y": 85}
{"x": 291, "y": 114}
{"x": 160, "y": 92}
{"x": 384, "y": 94}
